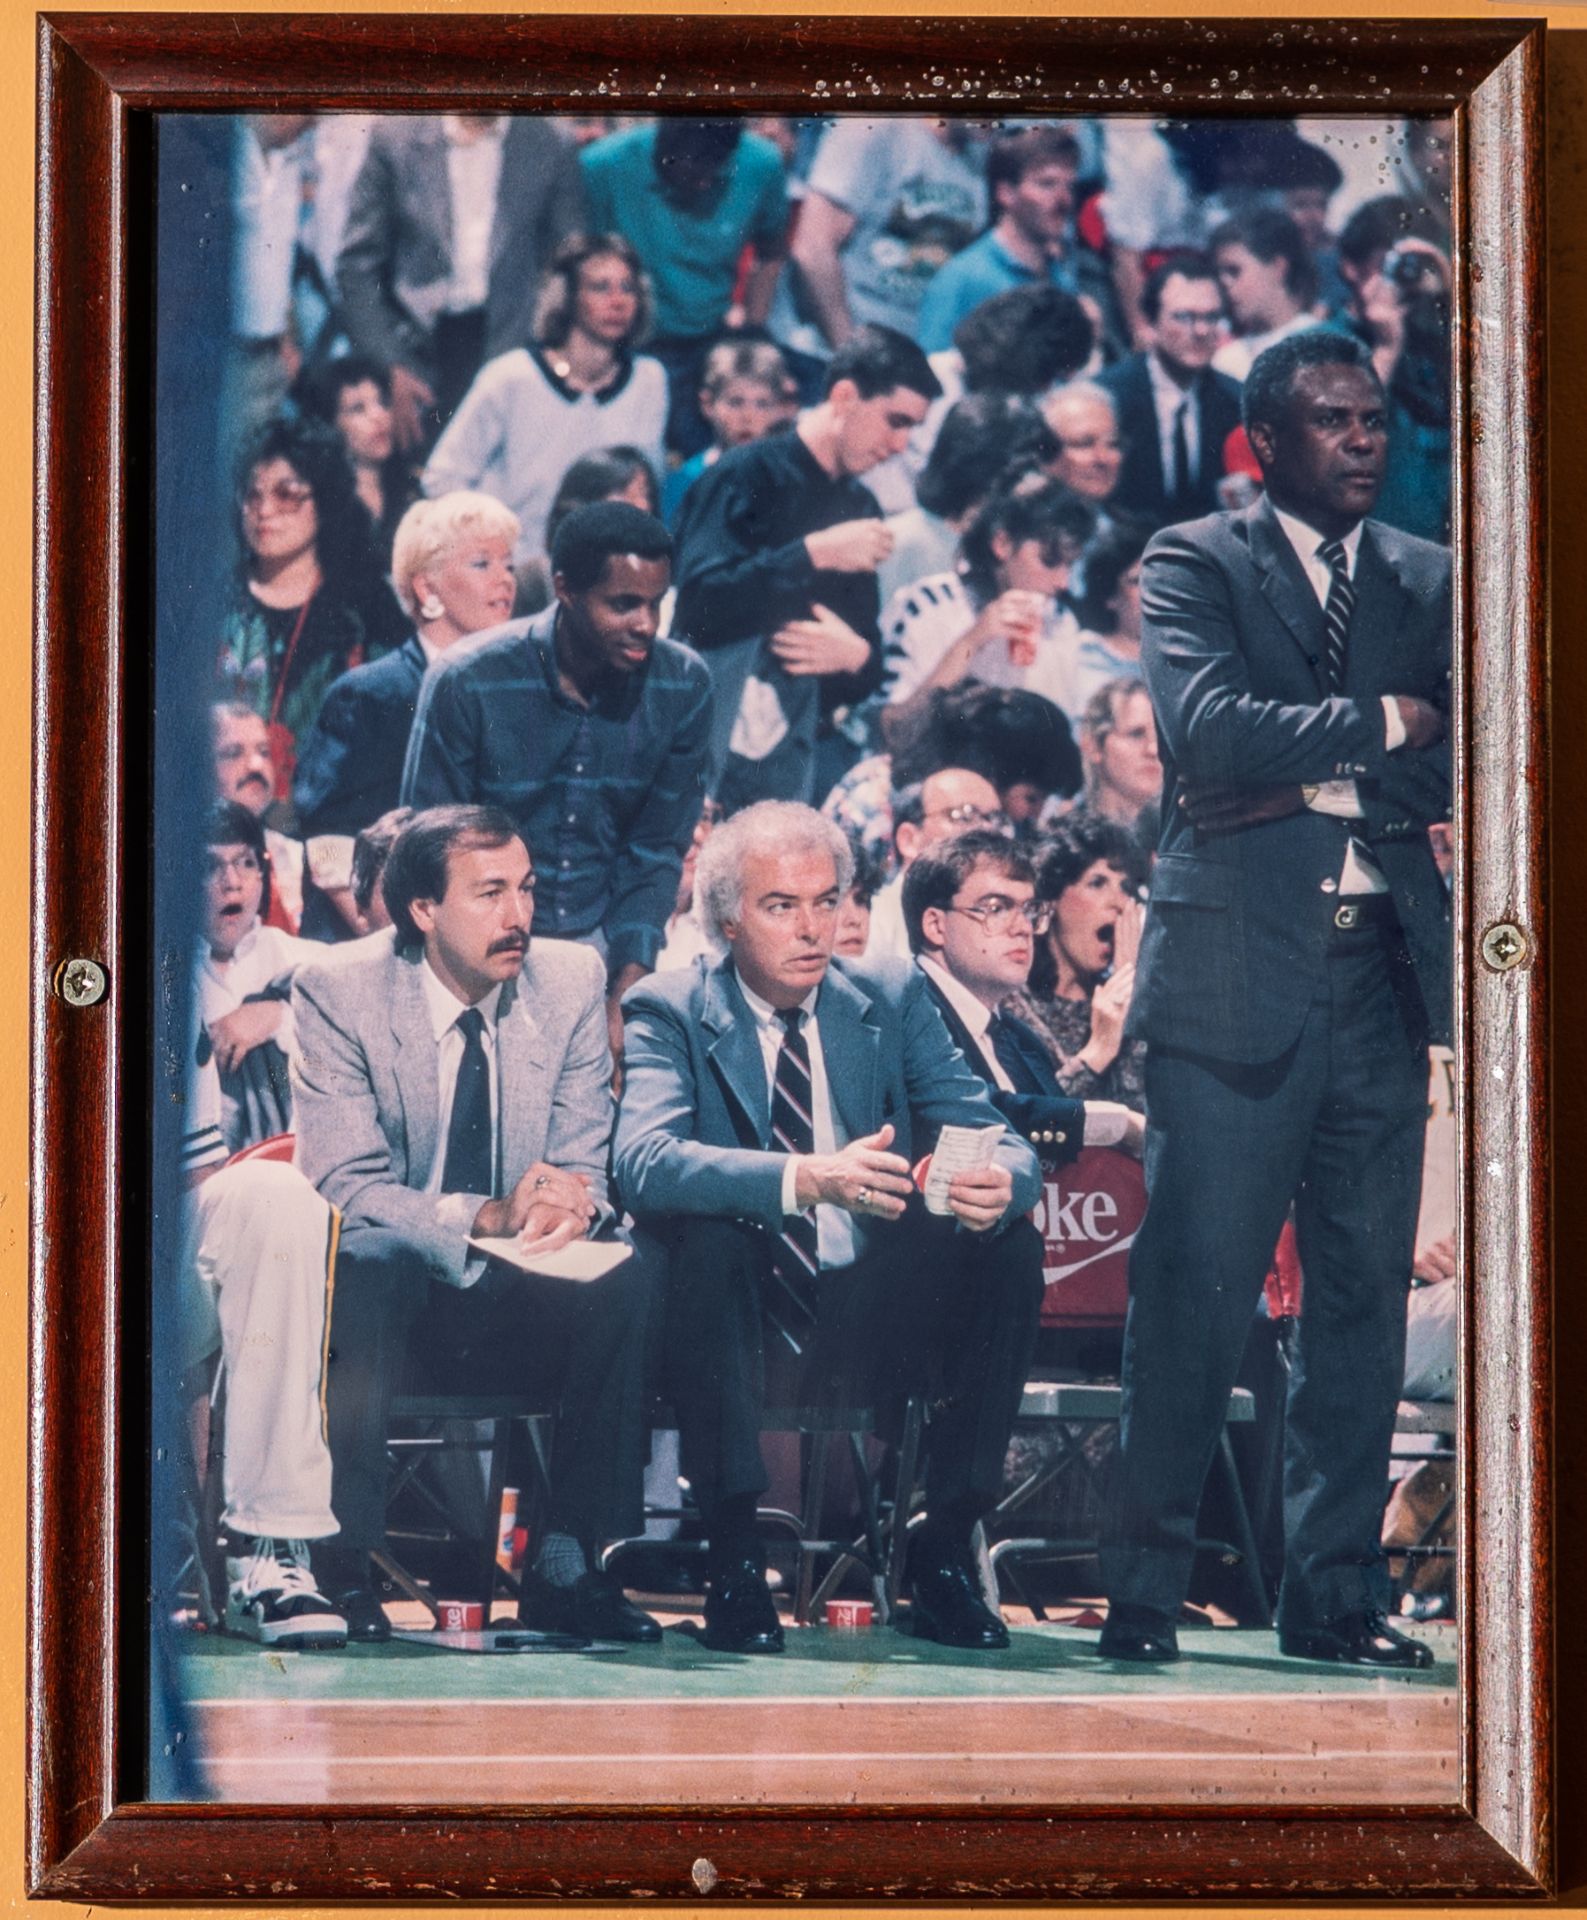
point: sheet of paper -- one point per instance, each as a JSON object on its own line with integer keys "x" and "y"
{"x": 582, "y": 1260}
{"x": 959, "y": 1150}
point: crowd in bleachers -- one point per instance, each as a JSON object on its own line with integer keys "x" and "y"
{"x": 617, "y": 476}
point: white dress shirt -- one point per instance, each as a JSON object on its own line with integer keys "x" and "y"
{"x": 835, "y": 1244}
{"x": 1168, "y": 397}
{"x": 975, "y": 1014}
{"x": 473, "y": 169}
{"x": 1361, "y": 873}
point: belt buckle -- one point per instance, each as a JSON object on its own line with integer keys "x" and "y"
{"x": 1345, "y": 918}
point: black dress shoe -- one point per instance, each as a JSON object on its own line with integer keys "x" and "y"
{"x": 740, "y": 1614}
{"x": 1356, "y": 1640}
{"x": 947, "y": 1604}
{"x": 366, "y": 1618}
{"x": 1136, "y": 1633}
{"x": 593, "y": 1608}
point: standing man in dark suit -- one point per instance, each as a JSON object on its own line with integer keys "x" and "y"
{"x": 973, "y": 920}
{"x": 772, "y": 1106}
{"x": 454, "y": 218}
{"x": 1175, "y": 412}
{"x": 1294, "y": 967}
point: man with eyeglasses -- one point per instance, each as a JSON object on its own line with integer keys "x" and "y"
{"x": 951, "y": 801}
{"x": 973, "y": 918}
{"x": 1175, "y": 411}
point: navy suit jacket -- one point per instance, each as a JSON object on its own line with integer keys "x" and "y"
{"x": 1238, "y": 924}
{"x": 1144, "y": 489}
{"x": 1040, "y": 1111}
{"x": 695, "y": 1117}
{"x": 349, "y": 770}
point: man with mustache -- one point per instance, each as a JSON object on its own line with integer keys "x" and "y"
{"x": 589, "y": 730}
{"x": 1294, "y": 967}
{"x": 452, "y": 1083}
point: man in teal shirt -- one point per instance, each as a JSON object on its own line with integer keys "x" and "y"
{"x": 1030, "y": 178}
{"x": 689, "y": 196}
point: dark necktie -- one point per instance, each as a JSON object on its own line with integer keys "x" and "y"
{"x": 1341, "y": 603}
{"x": 1011, "y": 1057}
{"x": 1182, "y": 481}
{"x": 470, "y": 1163}
{"x": 791, "y": 1303}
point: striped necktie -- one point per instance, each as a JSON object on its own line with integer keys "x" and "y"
{"x": 1341, "y": 603}
{"x": 791, "y": 1302}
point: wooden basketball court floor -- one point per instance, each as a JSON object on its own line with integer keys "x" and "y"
{"x": 841, "y": 1716}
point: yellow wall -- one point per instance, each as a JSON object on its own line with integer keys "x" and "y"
{"x": 1568, "y": 306}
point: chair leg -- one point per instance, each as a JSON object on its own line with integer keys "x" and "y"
{"x": 1245, "y": 1539}
{"x": 903, "y": 1500}
{"x": 813, "y": 1503}
{"x": 500, "y": 1442}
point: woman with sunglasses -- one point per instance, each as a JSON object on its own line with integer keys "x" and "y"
{"x": 309, "y": 600}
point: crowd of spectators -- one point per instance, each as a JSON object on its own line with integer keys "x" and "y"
{"x": 621, "y": 475}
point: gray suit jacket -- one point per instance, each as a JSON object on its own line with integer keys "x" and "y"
{"x": 695, "y": 1120}
{"x": 1232, "y": 646}
{"x": 366, "y": 1089}
{"x": 396, "y": 257}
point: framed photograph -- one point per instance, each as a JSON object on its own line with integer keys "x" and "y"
{"x": 357, "y": 337}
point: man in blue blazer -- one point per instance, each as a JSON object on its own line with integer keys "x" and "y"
{"x": 1294, "y": 967}
{"x": 1175, "y": 412}
{"x": 772, "y": 1105}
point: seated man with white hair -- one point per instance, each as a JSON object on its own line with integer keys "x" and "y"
{"x": 773, "y": 1104}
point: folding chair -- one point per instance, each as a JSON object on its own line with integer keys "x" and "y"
{"x": 435, "y": 1420}
{"x": 1435, "y": 1419}
{"x": 878, "y": 1547}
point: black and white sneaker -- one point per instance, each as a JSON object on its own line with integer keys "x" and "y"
{"x": 271, "y": 1596}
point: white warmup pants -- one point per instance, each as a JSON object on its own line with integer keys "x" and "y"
{"x": 255, "y": 1283}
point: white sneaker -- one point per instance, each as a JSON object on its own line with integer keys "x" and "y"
{"x": 271, "y": 1596}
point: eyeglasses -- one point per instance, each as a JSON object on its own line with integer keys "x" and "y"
{"x": 995, "y": 914}
{"x": 287, "y": 495}
{"x": 1206, "y": 321}
{"x": 966, "y": 814}
{"x": 229, "y": 863}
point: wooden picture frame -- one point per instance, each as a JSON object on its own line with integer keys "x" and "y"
{"x": 100, "y": 76}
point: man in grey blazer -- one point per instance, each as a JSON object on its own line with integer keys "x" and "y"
{"x": 451, "y": 1083}
{"x": 772, "y": 1105}
{"x": 1294, "y": 967}
{"x": 454, "y": 218}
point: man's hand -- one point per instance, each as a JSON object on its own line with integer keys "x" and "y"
{"x": 1227, "y": 809}
{"x": 409, "y": 397}
{"x": 980, "y": 1197}
{"x": 546, "y": 1196}
{"x": 822, "y": 644}
{"x": 863, "y": 1178}
{"x": 236, "y": 1034}
{"x": 852, "y": 546}
{"x": 1435, "y": 1260}
{"x": 1424, "y": 724}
